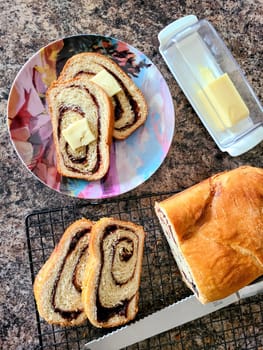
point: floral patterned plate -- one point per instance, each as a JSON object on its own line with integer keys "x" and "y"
{"x": 133, "y": 160}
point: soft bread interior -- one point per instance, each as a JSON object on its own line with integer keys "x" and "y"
{"x": 171, "y": 237}
{"x": 119, "y": 274}
{"x": 85, "y": 103}
{"x": 69, "y": 286}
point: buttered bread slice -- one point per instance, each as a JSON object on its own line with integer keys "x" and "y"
{"x": 58, "y": 284}
{"x": 111, "y": 284}
{"x": 82, "y": 120}
{"x": 130, "y": 108}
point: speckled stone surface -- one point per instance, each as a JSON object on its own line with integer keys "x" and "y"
{"x": 25, "y": 27}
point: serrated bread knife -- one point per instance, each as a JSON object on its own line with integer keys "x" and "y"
{"x": 181, "y": 312}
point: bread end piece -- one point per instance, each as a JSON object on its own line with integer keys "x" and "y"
{"x": 215, "y": 231}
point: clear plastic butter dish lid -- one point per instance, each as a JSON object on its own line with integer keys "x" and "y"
{"x": 214, "y": 84}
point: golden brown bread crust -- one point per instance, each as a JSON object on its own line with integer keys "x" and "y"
{"x": 130, "y": 101}
{"x": 218, "y": 227}
{"x": 111, "y": 284}
{"x": 57, "y": 286}
{"x": 69, "y": 162}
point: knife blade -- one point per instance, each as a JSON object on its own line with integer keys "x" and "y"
{"x": 172, "y": 316}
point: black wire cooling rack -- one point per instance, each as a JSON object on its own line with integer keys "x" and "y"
{"x": 238, "y": 326}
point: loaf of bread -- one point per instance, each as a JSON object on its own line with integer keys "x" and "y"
{"x": 215, "y": 231}
{"x": 111, "y": 281}
{"x": 58, "y": 284}
{"x": 68, "y": 102}
{"x": 130, "y": 108}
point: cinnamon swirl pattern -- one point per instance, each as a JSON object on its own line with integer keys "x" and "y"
{"x": 111, "y": 287}
{"x": 73, "y": 100}
{"x": 130, "y": 108}
{"x": 58, "y": 284}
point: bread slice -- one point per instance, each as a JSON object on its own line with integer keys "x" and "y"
{"x": 130, "y": 107}
{"x": 57, "y": 286}
{"x": 111, "y": 284}
{"x": 69, "y": 101}
{"x": 215, "y": 231}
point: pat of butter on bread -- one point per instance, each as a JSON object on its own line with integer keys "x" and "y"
{"x": 78, "y": 134}
{"x": 107, "y": 82}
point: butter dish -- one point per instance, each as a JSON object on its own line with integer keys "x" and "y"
{"x": 214, "y": 84}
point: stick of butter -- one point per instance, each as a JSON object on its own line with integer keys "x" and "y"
{"x": 106, "y": 81}
{"x": 225, "y": 99}
{"x": 78, "y": 134}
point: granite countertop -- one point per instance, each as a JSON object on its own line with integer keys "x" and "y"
{"x": 26, "y": 26}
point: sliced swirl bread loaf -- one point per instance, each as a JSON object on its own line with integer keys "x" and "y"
{"x": 111, "y": 284}
{"x": 70, "y": 101}
{"x": 215, "y": 231}
{"x": 57, "y": 287}
{"x": 130, "y": 108}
